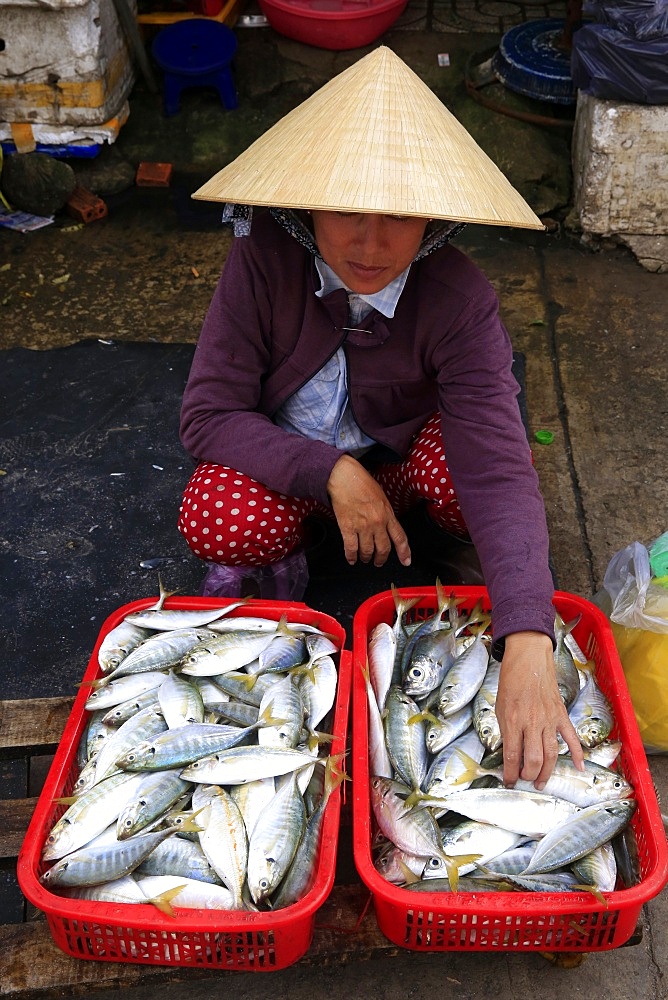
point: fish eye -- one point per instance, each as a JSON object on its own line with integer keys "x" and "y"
{"x": 434, "y": 863}
{"x": 415, "y": 672}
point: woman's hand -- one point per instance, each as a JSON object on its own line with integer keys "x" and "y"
{"x": 531, "y": 711}
{"x": 365, "y": 518}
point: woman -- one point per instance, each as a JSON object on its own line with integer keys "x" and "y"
{"x": 353, "y": 364}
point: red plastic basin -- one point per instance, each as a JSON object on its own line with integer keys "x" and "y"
{"x": 332, "y": 24}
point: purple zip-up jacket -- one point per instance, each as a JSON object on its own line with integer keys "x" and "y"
{"x": 266, "y": 334}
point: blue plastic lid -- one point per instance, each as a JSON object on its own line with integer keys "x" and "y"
{"x": 531, "y": 62}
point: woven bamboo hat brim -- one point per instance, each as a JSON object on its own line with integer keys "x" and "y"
{"x": 373, "y": 139}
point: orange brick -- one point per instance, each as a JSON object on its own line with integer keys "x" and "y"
{"x": 153, "y": 174}
{"x": 85, "y": 206}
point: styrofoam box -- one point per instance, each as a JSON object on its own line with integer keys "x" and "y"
{"x": 63, "y": 62}
{"x": 620, "y": 167}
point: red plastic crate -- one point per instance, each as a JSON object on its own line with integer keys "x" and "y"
{"x": 243, "y": 941}
{"x": 517, "y": 921}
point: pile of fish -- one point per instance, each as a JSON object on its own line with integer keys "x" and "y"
{"x": 445, "y": 822}
{"x": 199, "y": 780}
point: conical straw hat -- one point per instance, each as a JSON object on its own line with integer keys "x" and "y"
{"x": 373, "y": 139}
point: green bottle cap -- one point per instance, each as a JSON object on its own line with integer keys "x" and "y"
{"x": 544, "y": 437}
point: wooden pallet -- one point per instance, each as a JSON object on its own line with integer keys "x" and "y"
{"x": 33, "y": 967}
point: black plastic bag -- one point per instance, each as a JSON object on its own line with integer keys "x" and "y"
{"x": 623, "y": 53}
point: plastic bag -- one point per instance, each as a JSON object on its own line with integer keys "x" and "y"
{"x": 623, "y": 53}
{"x": 636, "y": 594}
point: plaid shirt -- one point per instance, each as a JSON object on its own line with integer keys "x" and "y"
{"x": 321, "y": 409}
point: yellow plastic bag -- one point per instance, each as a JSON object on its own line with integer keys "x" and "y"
{"x": 637, "y": 605}
{"x": 644, "y": 657}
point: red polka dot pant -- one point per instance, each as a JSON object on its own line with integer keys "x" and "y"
{"x": 229, "y": 518}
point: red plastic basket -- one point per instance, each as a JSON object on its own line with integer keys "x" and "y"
{"x": 243, "y": 941}
{"x": 464, "y": 921}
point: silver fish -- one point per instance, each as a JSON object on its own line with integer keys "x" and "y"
{"x": 118, "y": 643}
{"x": 485, "y": 721}
{"x": 180, "y": 701}
{"x": 466, "y": 675}
{"x": 274, "y": 840}
{"x": 243, "y": 764}
{"x": 90, "y": 865}
{"x": 591, "y": 713}
{"x": 582, "y": 833}
{"x": 405, "y": 742}
{"x": 163, "y": 619}
{"x": 166, "y": 891}
{"x": 160, "y": 651}
{"x": 382, "y": 652}
{"x": 155, "y": 793}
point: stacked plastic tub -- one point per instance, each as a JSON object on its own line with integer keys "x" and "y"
{"x": 65, "y": 72}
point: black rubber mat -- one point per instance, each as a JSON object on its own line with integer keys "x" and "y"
{"x": 92, "y": 477}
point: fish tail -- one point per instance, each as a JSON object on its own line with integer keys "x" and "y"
{"x": 471, "y": 771}
{"x": 163, "y": 901}
{"x": 410, "y": 878}
{"x": 452, "y": 866}
{"x": 595, "y": 891}
{"x": 266, "y": 719}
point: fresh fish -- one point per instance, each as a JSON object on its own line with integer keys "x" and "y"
{"x": 298, "y": 879}
{"x": 447, "y": 767}
{"x": 228, "y": 651}
{"x": 286, "y": 650}
{"x": 513, "y": 861}
{"x": 120, "y": 713}
{"x": 115, "y": 692}
{"x": 441, "y": 731}
{"x": 284, "y": 703}
{"x": 252, "y": 799}
{"x": 180, "y": 701}
{"x": 402, "y": 606}
{"x": 178, "y": 856}
{"x": 243, "y": 764}
{"x": 318, "y": 690}
{"x": 583, "y": 788}
{"x": 167, "y": 891}
{"x": 582, "y": 833}
{"x": 243, "y": 687}
{"x": 430, "y": 624}
{"x": 173, "y": 619}
{"x": 382, "y": 652}
{"x": 142, "y": 726}
{"x": 90, "y": 814}
{"x": 474, "y": 838}
{"x": 532, "y": 814}
{"x": 568, "y": 677}
{"x": 484, "y": 717}
{"x": 159, "y": 652}
{"x": 430, "y": 662}
{"x": 118, "y": 643}
{"x": 598, "y": 868}
{"x": 405, "y": 743}
{"x": 154, "y": 794}
{"x": 90, "y": 865}
{"x": 379, "y": 759}
{"x": 591, "y": 713}
{"x": 413, "y": 830}
{"x": 180, "y": 747}
{"x": 274, "y": 840}
{"x": 225, "y": 843}
{"x": 466, "y": 675}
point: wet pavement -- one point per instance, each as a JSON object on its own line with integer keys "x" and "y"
{"x": 589, "y": 321}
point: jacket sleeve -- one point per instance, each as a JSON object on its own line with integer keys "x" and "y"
{"x": 490, "y": 462}
{"x": 221, "y": 420}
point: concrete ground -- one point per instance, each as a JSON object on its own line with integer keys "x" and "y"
{"x": 589, "y": 320}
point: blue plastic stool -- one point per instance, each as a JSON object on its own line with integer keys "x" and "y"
{"x": 196, "y": 53}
